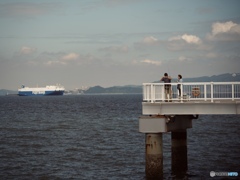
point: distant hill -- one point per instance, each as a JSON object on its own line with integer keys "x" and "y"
{"x": 216, "y": 78}
{"x": 115, "y": 89}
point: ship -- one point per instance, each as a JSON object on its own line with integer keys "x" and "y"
{"x": 41, "y": 91}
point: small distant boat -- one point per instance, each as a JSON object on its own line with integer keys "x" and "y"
{"x": 41, "y": 91}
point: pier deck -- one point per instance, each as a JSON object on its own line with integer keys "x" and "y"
{"x": 191, "y": 107}
{"x": 197, "y": 98}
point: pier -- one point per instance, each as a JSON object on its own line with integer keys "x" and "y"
{"x": 162, "y": 113}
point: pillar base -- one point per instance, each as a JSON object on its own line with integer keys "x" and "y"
{"x": 154, "y": 155}
{"x": 179, "y": 153}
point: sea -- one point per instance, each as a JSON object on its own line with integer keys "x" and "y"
{"x": 97, "y": 137}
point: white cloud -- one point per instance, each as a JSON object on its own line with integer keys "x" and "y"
{"x": 50, "y": 63}
{"x": 70, "y": 57}
{"x": 226, "y": 27}
{"x": 67, "y": 59}
{"x": 150, "y": 40}
{"x": 148, "y": 61}
{"x": 51, "y": 58}
{"x": 27, "y": 50}
{"x": 175, "y": 38}
{"x": 185, "y": 42}
{"x": 226, "y": 31}
{"x": 190, "y": 39}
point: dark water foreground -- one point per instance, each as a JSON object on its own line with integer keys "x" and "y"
{"x": 96, "y": 137}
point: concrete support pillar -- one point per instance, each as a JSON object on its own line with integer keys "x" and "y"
{"x": 154, "y": 155}
{"x": 179, "y": 152}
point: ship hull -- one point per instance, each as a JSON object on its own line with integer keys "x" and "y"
{"x": 41, "y": 91}
{"x": 45, "y": 93}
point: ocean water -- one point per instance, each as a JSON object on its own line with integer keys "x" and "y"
{"x": 96, "y": 137}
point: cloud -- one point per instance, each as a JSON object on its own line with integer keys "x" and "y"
{"x": 190, "y": 39}
{"x": 60, "y": 58}
{"x": 227, "y": 27}
{"x": 226, "y": 31}
{"x": 148, "y": 61}
{"x": 185, "y": 42}
{"x": 70, "y": 57}
{"x": 50, "y": 63}
{"x": 175, "y": 43}
{"x": 150, "y": 40}
{"x": 27, "y": 50}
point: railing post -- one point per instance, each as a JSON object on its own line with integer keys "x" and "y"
{"x": 151, "y": 93}
{"x": 181, "y": 97}
{"x": 163, "y": 93}
{"x": 144, "y": 91}
{"x": 154, "y": 93}
{"x": 147, "y": 92}
{"x": 205, "y": 92}
{"x": 232, "y": 92}
{"x": 211, "y": 91}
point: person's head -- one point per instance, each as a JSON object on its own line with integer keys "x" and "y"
{"x": 180, "y": 76}
{"x": 165, "y": 74}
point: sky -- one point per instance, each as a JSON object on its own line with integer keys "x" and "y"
{"x": 79, "y": 43}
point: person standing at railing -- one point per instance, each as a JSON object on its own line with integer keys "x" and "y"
{"x": 167, "y": 87}
{"x": 180, "y": 80}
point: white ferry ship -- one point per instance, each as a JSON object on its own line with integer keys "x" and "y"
{"x": 41, "y": 91}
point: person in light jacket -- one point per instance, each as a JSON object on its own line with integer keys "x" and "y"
{"x": 180, "y": 80}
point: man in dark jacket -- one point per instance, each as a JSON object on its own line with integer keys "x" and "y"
{"x": 167, "y": 87}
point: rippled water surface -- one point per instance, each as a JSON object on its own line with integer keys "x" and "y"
{"x": 96, "y": 137}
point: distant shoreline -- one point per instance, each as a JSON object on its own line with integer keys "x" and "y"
{"x": 135, "y": 89}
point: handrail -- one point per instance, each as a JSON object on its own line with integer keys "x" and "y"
{"x": 197, "y": 91}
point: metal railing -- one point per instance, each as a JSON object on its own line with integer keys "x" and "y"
{"x": 194, "y": 91}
